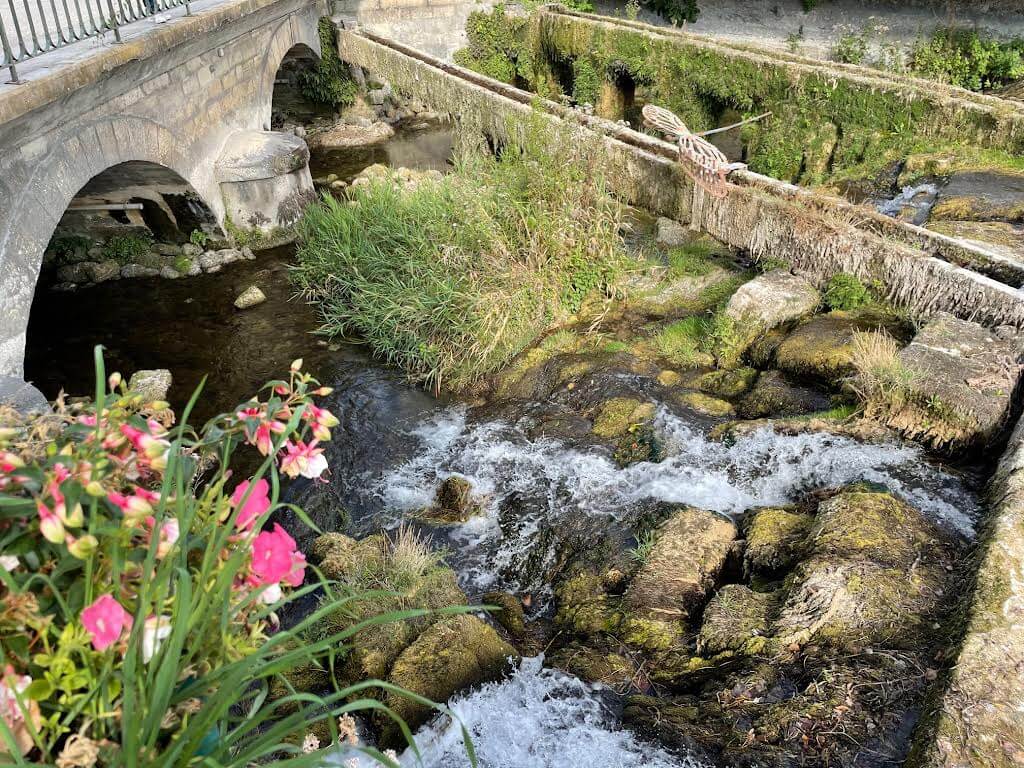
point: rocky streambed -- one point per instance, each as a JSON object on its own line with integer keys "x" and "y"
{"x": 706, "y": 536}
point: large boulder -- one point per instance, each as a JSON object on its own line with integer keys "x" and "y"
{"x": 681, "y": 568}
{"x": 346, "y": 135}
{"x": 454, "y": 653}
{"x": 963, "y": 380}
{"x": 877, "y": 575}
{"x": 822, "y": 348}
{"x": 770, "y": 300}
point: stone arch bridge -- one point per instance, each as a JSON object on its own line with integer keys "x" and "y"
{"x": 185, "y": 103}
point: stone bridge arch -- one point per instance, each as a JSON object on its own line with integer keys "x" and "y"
{"x": 184, "y": 96}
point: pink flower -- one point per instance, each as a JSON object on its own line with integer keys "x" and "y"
{"x": 169, "y": 533}
{"x": 302, "y": 459}
{"x": 275, "y": 558}
{"x": 259, "y": 431}
{"x": 50, "y": 525}
{"x": 105, "y": 620}
{"x": 320, "y": 420}
{"x": 136, "y": 507}
{"x": 254, "y": 507}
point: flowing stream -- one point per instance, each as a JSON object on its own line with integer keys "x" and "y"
{"x": 396, "y": 443}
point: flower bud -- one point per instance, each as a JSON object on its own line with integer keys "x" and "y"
{"x": 297, "y": 365}
{"x": 51, "y": 527}
{"x": 74, "y": 518}
{"x": 159, "y": 405}
{"x": 323, "y": 391}
{"x": 83, "y": 547}
{"x": 95, "y": 489}
{"x": 114, "y": 380}
{"x": 7, "y": 433}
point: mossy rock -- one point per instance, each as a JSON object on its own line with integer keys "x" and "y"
{"x": 595, "y": 666}
{"x": 706, "y": 404}
{"x": 584, "y": 607}
{"x": 878, "y": 575}
{"x": 617, "y": 415}
{"x": 775, "y": 395}
{"x": 690, "y": 550}
{"x": 670, "y": 378}
{"x": 509, "y": 611}
{"x": 981, "y": 196}
{"x": 651, "y": 633}
{"x": 454, "y": 502}
{"x": 737, "y": 619}
{"x": 728, "y": 384}
{"x": 640, "y": 443}
{"x": 453, "y": 654}
{"x": 761, "y": 353}
{"x": 341, "y": 557}
{"x": 822, "y": 348}
{"x": 776, "y": 538}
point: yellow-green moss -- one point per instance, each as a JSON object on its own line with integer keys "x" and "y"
{"x": 618, "y": 414}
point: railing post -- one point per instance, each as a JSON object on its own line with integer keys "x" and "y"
{"x": 8, "y": 55}
{"x": 114, "y": 20}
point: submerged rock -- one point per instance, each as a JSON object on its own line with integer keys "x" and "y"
{"x": 250, "y": 297}
{"x": 981, "y": 196}
{"x": 963, "y": 380}
{"x": 690, "y": 551}
{"x": 455, "y": 653}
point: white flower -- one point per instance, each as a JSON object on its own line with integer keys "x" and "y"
{"x": 271, "y": 594}
{"x": 315, "y": 467}
{"x": 8, "y": 562}
{"x": 310, "y": 744}
{"x": 154, "y": 632}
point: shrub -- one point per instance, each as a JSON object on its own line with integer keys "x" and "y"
{"x": 199, "y": 237}
{"x": 452, "y": 278}
{"x": 851, "y": 48}
{"x": 675, "y": 11}
{"x": 127, "y": 248}
{"x": 138, "y": 606}
{"x": 586, "y": 83}
{"x": 964, "y": 57}
{"x": 65, "y": 247}
{"x": 328, "y": 82}
{"x": 846, "y": 291}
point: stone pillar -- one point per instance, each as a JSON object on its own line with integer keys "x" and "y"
{"x": 264, "y": 179}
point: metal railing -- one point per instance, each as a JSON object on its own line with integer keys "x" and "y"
{"x": 30, "y": 28}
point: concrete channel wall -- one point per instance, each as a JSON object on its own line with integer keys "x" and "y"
{"x": 818, "y": 235}
{"x": 980, "y": 718}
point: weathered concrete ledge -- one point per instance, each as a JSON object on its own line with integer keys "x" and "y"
{"x": 765, "y": 217}
{"x": 980, "y": 718}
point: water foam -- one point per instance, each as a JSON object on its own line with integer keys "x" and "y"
{"x": 757, "y": 469}
{"x": 538, "y": 718}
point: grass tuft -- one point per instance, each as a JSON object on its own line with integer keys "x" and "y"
{"x": 452, "y": 278}
{"x": 881, "y": 377}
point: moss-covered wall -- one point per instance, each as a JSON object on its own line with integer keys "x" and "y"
{"x": 827, "y": 125}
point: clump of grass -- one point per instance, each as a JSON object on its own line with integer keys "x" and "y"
{"x": 644, "y": 544}
{"x": 845, "y": 291}
{"x": 881, "y": 378}
{"x": 408, "y": 557}
{"x": 692, "y": 260}
{"x": 451, "y": 279}
{"x": 685, "y": 343}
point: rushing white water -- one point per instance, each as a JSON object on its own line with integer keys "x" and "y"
{"x": 920, "y": 198}
{"x": 538, "y": 718}
{"x": 758, "y": 469}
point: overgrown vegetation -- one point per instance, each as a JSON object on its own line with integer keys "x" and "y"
{"x": 328, "y": 82}
{"x": 846, "y": 291}
{"x": 822, "y": 128}
{"x": 496, "y": 47}
{"x": 126, "y": 249}
{"x": 450, "y": 279}
{"x": 964, "y": 57}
